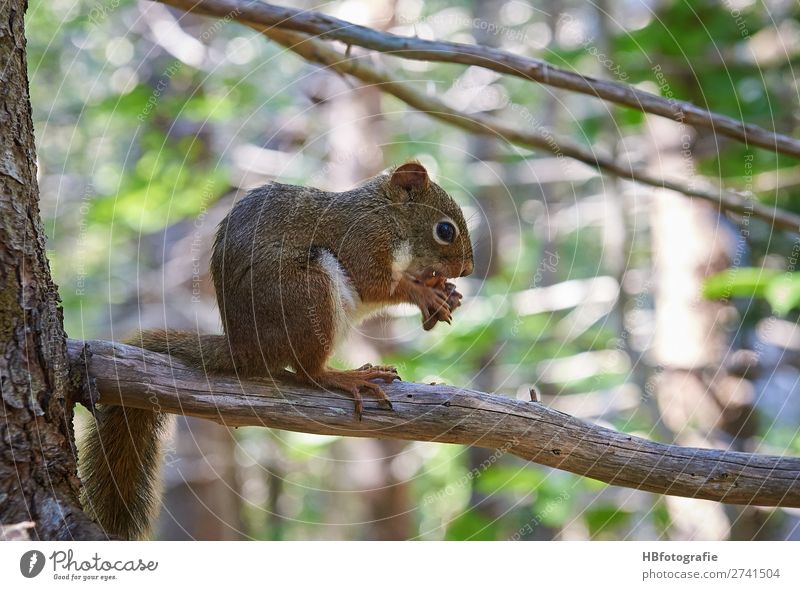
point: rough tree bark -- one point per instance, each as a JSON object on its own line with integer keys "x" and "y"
{"x": 38, "y": 480}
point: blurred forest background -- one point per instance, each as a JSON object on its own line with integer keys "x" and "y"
{"x": 151, "y": 122}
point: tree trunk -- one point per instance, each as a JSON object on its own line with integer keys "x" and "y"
{"x": 201, "y": 501}
{"x": 38, "y": 478}
{"x": 690, "y": 342}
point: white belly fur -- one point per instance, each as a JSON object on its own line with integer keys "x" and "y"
{"x": 348, "y": 309}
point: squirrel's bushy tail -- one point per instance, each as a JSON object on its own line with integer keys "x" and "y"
{"x": 120, "y": 463}
{"x": 208, "y": 352}
{"x": 121, "y": 452}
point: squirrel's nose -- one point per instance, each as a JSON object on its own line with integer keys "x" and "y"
{"x": 467, "y": 268}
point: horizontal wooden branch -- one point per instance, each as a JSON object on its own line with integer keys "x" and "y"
{"x": 504, "y": 62}
{"x": 129, "y": 376}
{"x": 535, "y": 138}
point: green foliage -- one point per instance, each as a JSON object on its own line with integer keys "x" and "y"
{"x": 606, "y": 521}
{"x": 780, "y": 289}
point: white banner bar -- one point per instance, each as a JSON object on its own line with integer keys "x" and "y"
{"x": 401, "y": 566}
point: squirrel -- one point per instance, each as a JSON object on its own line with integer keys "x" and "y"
{"x": 293, "y": 269}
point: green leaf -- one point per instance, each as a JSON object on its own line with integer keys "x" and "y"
{"x": 472, "y": 526}
{"x": 783, "y": 293}
{"x": 602, "y": 520}
{"x": 553, "y": 510}
{"x": 510, "y": 479}
{"x": 738, "y": 282}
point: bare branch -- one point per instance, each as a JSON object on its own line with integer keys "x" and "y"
{"x": 129, "y": 376}
{"x": 315, "y": 51}
{"x": 537, "y": 70}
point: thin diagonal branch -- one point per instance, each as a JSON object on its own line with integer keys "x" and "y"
{"x": 132, "y": 377}
{"x": 537, "y": 70}
{"x": 536, "y": 138}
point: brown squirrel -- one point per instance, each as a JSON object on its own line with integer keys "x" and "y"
{"x": 293, "y": 269}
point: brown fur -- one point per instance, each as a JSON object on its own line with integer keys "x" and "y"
{"x": 121, "y": 457}
{"x": 278, "y": 304}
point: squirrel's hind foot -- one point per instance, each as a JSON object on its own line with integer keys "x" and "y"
{"x": 356, "y": 380}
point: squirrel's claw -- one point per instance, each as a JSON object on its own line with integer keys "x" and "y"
{"x": 359, "y": 405}
{"x": 358, "y": 380}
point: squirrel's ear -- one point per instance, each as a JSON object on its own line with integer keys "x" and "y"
{"x": 410, "y": 176}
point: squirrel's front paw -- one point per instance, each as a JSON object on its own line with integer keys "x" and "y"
{"x": 434, "y": 307}
{"x": 446, "y": 300}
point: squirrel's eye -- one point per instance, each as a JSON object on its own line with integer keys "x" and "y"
{"x": 444, "y": 232}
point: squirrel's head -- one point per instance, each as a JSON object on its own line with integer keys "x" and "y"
{"x": 438, "y": 235}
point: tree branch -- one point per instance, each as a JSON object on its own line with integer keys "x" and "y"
{"x": 536, "y": 70}
{"x": 538, "y": 138}
{"x": 129, "y": 376}
{"x": 315, "y": 51}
